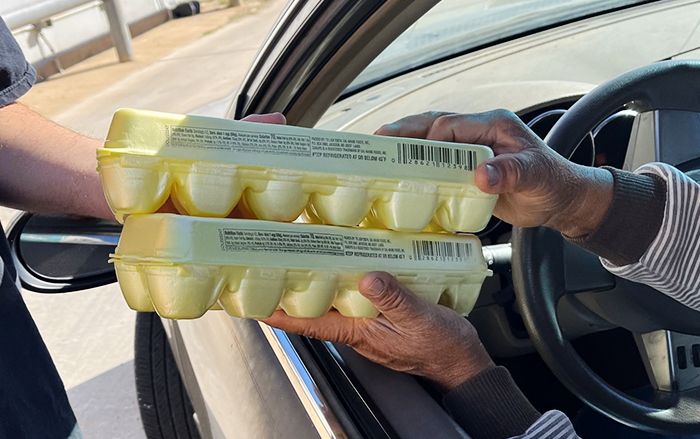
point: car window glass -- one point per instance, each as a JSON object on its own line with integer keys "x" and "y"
{"x": 457, "y": 26}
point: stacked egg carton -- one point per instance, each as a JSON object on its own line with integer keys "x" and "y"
{"x": 211, "y": 169}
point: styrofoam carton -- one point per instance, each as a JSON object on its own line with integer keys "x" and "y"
{"x": 209, "y": 166}
{"x": 182, "y": 266}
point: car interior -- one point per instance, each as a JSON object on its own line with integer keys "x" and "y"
{"x": 621, "y": 360}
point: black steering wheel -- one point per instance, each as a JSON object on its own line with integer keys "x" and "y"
{"x": 547, "y": 269}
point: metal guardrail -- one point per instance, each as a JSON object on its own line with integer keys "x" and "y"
{"x": 36, "y": 13}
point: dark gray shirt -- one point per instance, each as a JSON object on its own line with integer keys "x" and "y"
{"x": 33, "y": 401}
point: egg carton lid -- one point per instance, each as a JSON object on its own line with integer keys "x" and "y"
{"x": 176, "y": 239}
{"x": 184, "y": 137}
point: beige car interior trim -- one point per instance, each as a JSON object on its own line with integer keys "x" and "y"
{"x": 338, "y": 118}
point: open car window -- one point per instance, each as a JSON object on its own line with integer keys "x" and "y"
{"x": 456, "y": 26}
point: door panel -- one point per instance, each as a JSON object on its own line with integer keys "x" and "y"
{"x": 246, "y": 391}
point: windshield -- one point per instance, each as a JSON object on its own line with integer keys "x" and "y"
{"x": 456, "y": 26}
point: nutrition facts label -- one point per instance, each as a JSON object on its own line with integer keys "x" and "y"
{"x": 268, "y": 143}
{"x": 329, "y": 244}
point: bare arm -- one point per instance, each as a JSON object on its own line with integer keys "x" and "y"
{"x": 47, "y": 168}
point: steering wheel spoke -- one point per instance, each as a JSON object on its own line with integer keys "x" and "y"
{"x": 669, "y": 136}
{"x": 583, "y": 270}
{"x": 672, "y": 359}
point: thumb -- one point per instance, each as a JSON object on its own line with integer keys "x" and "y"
{"x": 390, "y": 297}
{"x": 508, "y": 173}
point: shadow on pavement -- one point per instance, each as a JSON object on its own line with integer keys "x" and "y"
{"x": 106, "y": 405}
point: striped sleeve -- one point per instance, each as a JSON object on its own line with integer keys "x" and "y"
{"x": 671, "y": 264}
{"x": 552, "y": 425}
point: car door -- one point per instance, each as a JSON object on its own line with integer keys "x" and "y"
{"x": 301, "y": 72}
{"x": 344, "y": 394}
{"x": 316, "y": 49}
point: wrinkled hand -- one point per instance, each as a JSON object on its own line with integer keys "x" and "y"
{"x": 537, "y": 186}
{"x": 409, "y": 335}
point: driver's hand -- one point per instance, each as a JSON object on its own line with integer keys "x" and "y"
{"x": 409, "y": 335}
{"x": 537, "y": 186}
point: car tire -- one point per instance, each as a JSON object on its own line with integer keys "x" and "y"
{"x": 166, "y": 410}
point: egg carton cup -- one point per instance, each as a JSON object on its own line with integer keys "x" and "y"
{"x": 150, "y": 157}
{"x": 183, "y": 266}
{"x": 187, "y": 291}
{"x": 139, "y": 185}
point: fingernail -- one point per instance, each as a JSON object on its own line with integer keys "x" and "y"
{"x": 376, "y": 287}
{"x": 492, "y": 175}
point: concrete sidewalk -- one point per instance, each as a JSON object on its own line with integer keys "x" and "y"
{"x": 181, "y": 66}
{"x": 243, "y": 29}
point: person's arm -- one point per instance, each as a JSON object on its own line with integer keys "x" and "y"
{"x": 651, "y": 233}
{"x": 643, "y": 225}
{"x": 47, "y": 168}
{"x": 43, "y": 167}
{"x": 431, "y": 341}
{"x": 536, "y": 187}
{"x": 437, "y": 343}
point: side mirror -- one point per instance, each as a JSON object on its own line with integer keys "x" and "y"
{"x": 59, "y": 254}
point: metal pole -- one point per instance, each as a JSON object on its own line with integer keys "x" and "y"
{"x": 119, "y": 29}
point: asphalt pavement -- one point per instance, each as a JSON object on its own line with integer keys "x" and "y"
{"x": 183, "y": 66}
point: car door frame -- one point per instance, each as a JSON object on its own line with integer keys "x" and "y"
{"x": 316, "y": 49}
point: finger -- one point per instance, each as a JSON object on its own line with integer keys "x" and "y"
{"x": 168, "y": 207}
{"x": 511, "y": 173}
{"x": 273, "y": 118}
{"x": 392, "y": 299}
{"x": 500, "y": 129}
{"x": 416, "y": 126}
{"x": 331, "y": 327}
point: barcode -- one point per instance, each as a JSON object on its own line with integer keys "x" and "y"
{"x": 440, "y": 250}
{"x": 436, "y": 156}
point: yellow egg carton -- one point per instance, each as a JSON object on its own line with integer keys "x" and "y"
{"x": 182, "y": 266}
{"x": 208, "y": 166}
